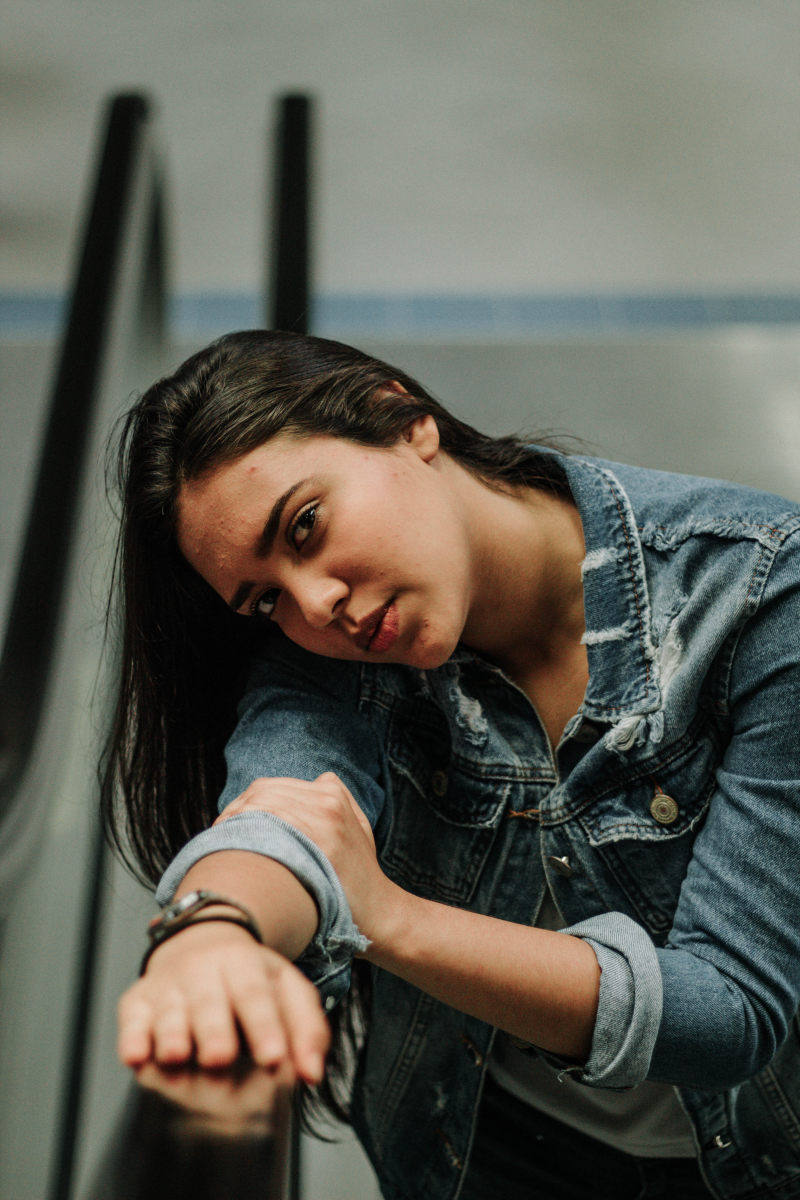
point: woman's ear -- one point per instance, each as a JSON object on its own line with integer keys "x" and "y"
{"x": 422, "y": 436}
{"x": 423, "y": 433}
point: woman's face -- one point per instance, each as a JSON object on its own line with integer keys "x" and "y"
{"x": 355, "y": 552}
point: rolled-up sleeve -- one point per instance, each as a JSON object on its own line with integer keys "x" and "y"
{"x": 297, "y": 720}
{"x": 326, "y": 959}
{"x": 629, "y": 1004}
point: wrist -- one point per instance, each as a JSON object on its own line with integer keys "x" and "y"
{"x": 195, "y": 937}
{"x": 391, "y": 935}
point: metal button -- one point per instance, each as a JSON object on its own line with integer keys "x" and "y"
{"x": 439, "y": 783}
{"x": 329, "y": 1003}
{"x": 663, "y": 808}
{"x": 561, "y": 866}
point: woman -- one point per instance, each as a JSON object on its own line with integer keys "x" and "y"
{"x": 562, "y": 693}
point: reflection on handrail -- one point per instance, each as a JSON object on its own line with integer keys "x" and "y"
{"x": 37, "y": 601}
{"x": 191, "y": 1134}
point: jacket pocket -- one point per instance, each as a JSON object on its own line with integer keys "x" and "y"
{"x": 443, "y": 812}
{"x": 643, "y": 831}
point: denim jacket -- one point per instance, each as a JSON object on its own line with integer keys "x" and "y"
{"x": 666, "y": 823}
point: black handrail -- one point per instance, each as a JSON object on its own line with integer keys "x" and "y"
{"x": 291, "y": 239}
{"x": 126, "y": 179}
{"x": 289, "y": 293}
{"x": 191, "y": 1134}
{"x": 38, "y": 596}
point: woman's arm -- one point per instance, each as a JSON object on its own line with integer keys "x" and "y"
{"x": 208, "y": 978}
{"x": 535, "y": 984}
{"x": 539, "y": 986}
{"x": 300, "y": 713}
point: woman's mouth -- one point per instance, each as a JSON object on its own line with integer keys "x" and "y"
{"x": 380, "y": 629}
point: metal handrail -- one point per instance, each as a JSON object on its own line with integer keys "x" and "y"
{"x": 189, "y": 1134}
{"x": 118, "y": 298}
{"x": 289, "y": 293}
{"x": 39, "y": 592}
{"x": 289, "y": 288}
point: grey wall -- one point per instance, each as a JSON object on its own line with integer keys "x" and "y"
{"x": 483, "y": 145}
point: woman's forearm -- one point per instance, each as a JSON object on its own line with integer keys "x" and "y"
{"x": 283, "y": 909}
{"x": 537, "y": 985}
{"x": 211, "y": 985}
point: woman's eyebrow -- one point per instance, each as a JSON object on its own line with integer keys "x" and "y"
{"x": 270, "y": 530}
{"x": 266, "y": 539}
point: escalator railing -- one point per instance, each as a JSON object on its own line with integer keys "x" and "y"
{"x": 51, "y": 847}
{"x": 188, "y": 1134}
{"x": 37, "y": 603}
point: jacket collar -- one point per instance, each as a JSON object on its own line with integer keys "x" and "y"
{"x": 623, "y": 676}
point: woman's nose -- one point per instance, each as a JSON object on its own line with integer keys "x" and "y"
{"x": 320, "y": 600}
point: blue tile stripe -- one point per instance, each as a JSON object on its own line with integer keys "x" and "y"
{"x": 439, "y": 317}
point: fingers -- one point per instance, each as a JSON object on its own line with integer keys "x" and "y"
{"x": 203, "y": 1004}
{"x": 308, "y": 1030}
{"x": 159, "y": 1024}
{"x": 211, "y": 1025}
{"x": 283, "y": 1022}
{"x": 280, "y": 794}
{"x": 135, "y": 1029}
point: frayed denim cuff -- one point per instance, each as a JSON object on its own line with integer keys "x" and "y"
{"x": 326, "y": 960}
{"x": 629, "y": 1006}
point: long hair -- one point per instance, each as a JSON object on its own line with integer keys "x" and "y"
{"x": 184, "y": 654}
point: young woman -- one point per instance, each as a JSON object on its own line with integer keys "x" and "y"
{"x": 516, "y": 731}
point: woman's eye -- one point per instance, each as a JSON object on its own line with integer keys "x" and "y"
{"x": 265, "y": 604}
{"x": 301, "y": 530}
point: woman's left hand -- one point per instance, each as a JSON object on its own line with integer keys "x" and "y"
{"x": 324, "y": 810}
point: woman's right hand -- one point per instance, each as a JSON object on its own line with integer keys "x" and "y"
{"x": 206, "y": 984}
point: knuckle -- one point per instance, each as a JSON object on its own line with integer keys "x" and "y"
{"x": 252, "y": 989}
{"x": 171, "y": 1005}
{"x": 133, "y": 1006}
{"x": 331, "y": 802}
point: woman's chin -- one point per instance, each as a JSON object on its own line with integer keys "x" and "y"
{"x": 429, "y": 654}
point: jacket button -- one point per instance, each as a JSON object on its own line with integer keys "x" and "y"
{"x": 663, "y": 808}
{"x": 561, "y": 866}
{"x": 439, "y": 783}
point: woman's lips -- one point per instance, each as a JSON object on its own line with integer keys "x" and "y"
{"x": 385, "y": 631}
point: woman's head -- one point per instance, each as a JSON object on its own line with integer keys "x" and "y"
{"x": 184, "y": 652}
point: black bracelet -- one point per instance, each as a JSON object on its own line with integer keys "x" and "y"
{"x": 183, "y": 912}
{"x": 245, "y": 922}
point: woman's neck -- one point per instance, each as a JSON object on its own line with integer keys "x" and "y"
{"x": 527, "y": 609}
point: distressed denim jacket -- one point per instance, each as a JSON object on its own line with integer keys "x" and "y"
{"x": 666, "y": 823}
